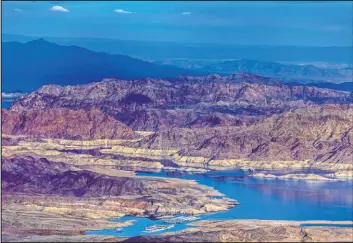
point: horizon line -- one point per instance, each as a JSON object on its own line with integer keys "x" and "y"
{"x": 170, "y": 42}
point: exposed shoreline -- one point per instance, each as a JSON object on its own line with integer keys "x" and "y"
{"x": 150, "y": 159}
{"x": 204, "y": 226}
{"x": 296, "y": 177}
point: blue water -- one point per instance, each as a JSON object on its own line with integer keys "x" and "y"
{"x": 137, "y": 228}
{"x": 261, "y": 199}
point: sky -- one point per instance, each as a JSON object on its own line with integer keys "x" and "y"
{"x": 241, "y": 23}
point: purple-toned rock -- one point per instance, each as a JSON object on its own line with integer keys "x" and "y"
{"x": 156, "y": 104}
{"x": 64, "y": 123}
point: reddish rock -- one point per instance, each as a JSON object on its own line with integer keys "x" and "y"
{"x": 64, "y": 123}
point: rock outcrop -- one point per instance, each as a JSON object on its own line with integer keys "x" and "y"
{"x": 64, "y": 123}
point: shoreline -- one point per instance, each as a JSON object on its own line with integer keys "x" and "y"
{"x": 165, "y": 192}
{"x": 280, "y": 222}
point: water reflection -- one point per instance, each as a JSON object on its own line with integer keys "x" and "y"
{"x": 276, "y": 199}
{"x": 314, "y": 192}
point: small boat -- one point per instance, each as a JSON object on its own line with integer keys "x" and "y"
{"x": 119, "y": 230}
{"x": 180, "y": 219}
{"x": 191, "y": 218}
{"x": 156, "y": 228}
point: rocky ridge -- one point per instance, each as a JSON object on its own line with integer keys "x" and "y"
{"x": 211, "y": 120}
{"x": 157, "y": 104}
{"x": 316, "y": 134}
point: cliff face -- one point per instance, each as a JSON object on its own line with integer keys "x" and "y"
{"x": 154, "y": 104}
{"x": 64, "y": 123}
{"x": 317, "y": 133}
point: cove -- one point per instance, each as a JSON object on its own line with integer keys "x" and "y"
{"x": 259, "y": 199}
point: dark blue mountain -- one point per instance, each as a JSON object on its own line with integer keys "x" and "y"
{"x": 27, "y": 66}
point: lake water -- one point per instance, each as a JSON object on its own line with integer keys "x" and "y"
{"x": 260, "y": 199}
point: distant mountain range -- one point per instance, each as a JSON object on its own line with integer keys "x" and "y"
{"x": 27, "y": 66}
{"x": 281, "y": 71}
{"x": 271, "y": 68}
{"x": 163, "y": 50}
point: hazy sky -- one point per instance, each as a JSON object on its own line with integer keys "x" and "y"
{"x": 255, "y": 23}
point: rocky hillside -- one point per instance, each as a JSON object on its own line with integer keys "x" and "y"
{"x": 318, "y": 133}
{"x": 188, "y": 102}
{"x": 28, "y": 175}
{"x": 32, "y": 179}
{"x": 64, "y": 123}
